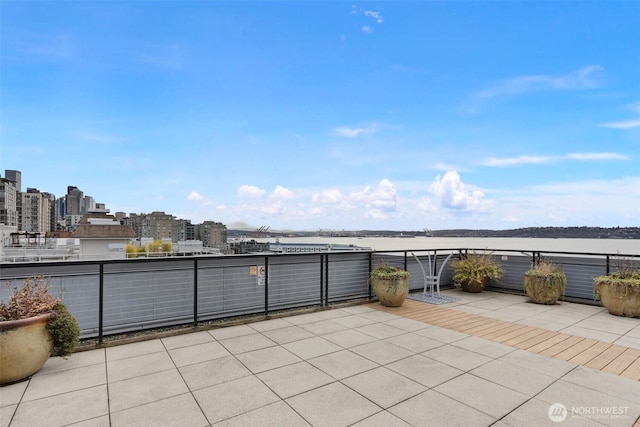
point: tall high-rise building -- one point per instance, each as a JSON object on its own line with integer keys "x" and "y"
{"x": 73, "y": 199}
{"x": 15, "y": 176}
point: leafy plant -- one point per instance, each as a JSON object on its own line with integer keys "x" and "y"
{"x": 33, "y": 299}
{"x": 625, "y": 279}
{"x": 547, "y": 273}
{"x": 386, "y": 271}
{"x": 476, "y": 268}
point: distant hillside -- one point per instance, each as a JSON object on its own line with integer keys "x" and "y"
{"x": 535, "y": 232}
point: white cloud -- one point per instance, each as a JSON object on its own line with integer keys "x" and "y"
{"x": 250, "y": 192}
{"x": 333, "y": 196}
{"x": 454, "y": 194}
{"x": 351, "y": 132}
{"x": 626, "y": 124}
{"x": 366, "y": 29}
{"x": 523, "y": 160}
{"x": 385, "y": 196}
{"x": 596, "y": 156}
{"x": 195, "y": 196}
{"x": 514, "y": 161}
{"x": 583, "y": 78}
{"x": 280, "y": 193}
{"x": 375, "y": 15}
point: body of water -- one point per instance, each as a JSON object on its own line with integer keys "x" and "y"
{"x": 599, "y": 246}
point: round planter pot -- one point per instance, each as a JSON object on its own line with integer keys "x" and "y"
{"x": 25, "y": 346}
{"x": 543, "y": 290}
{"x": 620, "y": 300}
{"x": 391, "y": 293}
{"x": 473, "y": 286}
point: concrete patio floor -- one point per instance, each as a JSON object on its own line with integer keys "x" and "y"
{"x": 361, "y": 365}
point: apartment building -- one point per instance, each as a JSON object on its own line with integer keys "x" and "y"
{"x": 34, "y": 212}
{"x": 8, "y": 202}
{"x": 213, "y": 234}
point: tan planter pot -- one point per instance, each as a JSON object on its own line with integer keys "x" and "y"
{"x": 620, "y": 300}
{"x": 473, "y": 286}
{"x": 25, "y": 346}
{"x": 544, "y": 290}
{"x": 391, "y": 293}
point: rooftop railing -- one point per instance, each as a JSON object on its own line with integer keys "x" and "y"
{"x": 110, "y": 297}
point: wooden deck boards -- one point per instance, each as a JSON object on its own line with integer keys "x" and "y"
{"x": 606, "y": 357}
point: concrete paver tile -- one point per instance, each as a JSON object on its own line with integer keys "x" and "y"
{"x": 276, "y": 414}
{"x": 408, "y": 325}
{"x": 603, "y": 382}
{"x": 76, "y": 360}
{"x": 186, "y": 340}
{"x": 414, "y": 342}
{"x": 197, "y": 353}
{"x": 485, "y": 347}
{"x": 457, "y": 357}
{"x": 485, "y": 396}
{"x": 267, "y": 358}
{"x": 342, "y": 364}
{"x": 312, "y": 347}
{"x": 354, "y": 321}
{"x": 517, "y": 378}
{"x": 590, "y": 402}
{"x": 231, "y": 331}
{"x": 245, "y": 343}
{"x": 65, "y": 381}
{"x": 269, "y": 325}
{"x": 323, "y": 327}
{"x": 134, "y": 349}
{"x": 442, "y": 334}
{"x": 11, "y": 394}
{"x": 381, "y": 352}
{"x": 233, "y": 398}
{"x": 536, "y": 362}
{"x": 63, "y": 409}
{"x": 349, "y": 338}
{"x": 433, "y": 408}
{"x": 383, "y": 386}
{"x": 145, "y": 389}
{"x": 295, "y": 379}
{"x": 179, "y": 410}
{"x": 6, "y": 414}
{"x": 333, "y": 405}
{"x": 212, "y": 372}
{"x": 536, "y": 413}
{"x": 139, "y": 365}
{"x": 288, "y": 334}
{"x": 380, "y": 330}
{"x": 424, "y": 370}
{"x": 381, "y": 419}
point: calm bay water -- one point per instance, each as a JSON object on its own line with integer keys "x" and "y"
{"x": 601, "y": 246}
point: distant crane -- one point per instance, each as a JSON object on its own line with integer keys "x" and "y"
{"x": 262, "y": 231}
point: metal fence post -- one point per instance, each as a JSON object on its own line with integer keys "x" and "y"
{"x": 369, "y": 274}
{"x": 100, "y": 302}
{"x": 322, "y": 279}
{"x": 266, "y": 286}
{"x": 195, "y": 292}
{"x": 326, "y": 280}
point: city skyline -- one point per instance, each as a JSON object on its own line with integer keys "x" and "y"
{"x": 339, "y": 115}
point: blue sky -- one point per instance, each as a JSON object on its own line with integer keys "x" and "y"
{"x": 340, "y": 115}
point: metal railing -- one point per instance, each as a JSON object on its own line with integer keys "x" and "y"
{"x": 117, "y": 296}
